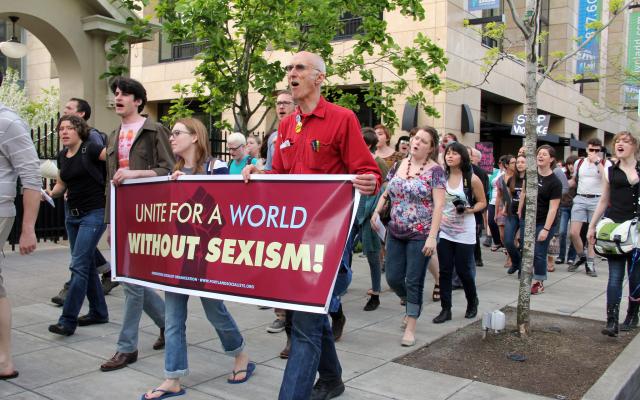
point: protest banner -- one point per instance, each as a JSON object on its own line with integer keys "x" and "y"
{"x": 276, "y": 241}
{"x": 486, "y": 162}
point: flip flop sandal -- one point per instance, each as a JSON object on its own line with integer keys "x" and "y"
{"x": 495, "y": 247}
{"x": 551, "y": 268}
{"x": 10, "y": 376}
{"x": 436, "y": 293}
{"x": 248, "y": 372}
{"x": 165, "y": 394}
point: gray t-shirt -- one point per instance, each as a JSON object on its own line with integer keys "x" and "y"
{"x": 18, "y": 158}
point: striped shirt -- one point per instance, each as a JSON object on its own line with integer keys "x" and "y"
{"x": 18, "y": 158}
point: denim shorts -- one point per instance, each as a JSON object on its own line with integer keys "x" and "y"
{"x": 583, "y": 208}
{"x": 5, "y": 228}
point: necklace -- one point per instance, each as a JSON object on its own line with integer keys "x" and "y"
{"x": 417, "y": 174}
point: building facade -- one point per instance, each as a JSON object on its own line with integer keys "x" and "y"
{"x": 478, "y": 110}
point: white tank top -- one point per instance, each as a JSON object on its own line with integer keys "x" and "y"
{"x": 459, "y": 228}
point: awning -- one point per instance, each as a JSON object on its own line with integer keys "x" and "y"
{"x": 577, "y": 144}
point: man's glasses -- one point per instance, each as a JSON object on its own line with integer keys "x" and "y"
{"x": 594, "y": 150}
{"x": 175, "y": 133}
{"x": 284, "y": 103}
{"x": 233, "y": 148}
{"x": 299, "y": 67}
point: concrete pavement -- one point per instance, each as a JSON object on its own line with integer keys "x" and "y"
{"x": 67, "y": 368}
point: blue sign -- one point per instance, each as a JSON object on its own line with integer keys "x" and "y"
{"x": 588, "y": 58}
{"x": 475, "y": 5}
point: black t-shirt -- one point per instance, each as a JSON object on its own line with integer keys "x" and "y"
{"x": 83, "y": 191}
{"x": 517, "y": 191}
{"x": 623, "y": 203}
{"x": 549, "y": 188}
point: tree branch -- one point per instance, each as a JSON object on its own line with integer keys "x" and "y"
{"x": 567, "y": 56}
{"x": 516, "y": 19}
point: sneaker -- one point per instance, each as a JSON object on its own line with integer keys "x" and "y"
{"x": 537, "y": 288}
{"x": 59, "y": 298}
{"x": 559, "y": 260}
{"x": 108, "y": 285}
{"x": 373, "y": 303}
{"x": 276, "y": 326}
{"x": 325, "y": 390}
{"x": 571, "y": 261}
{"x": 590, "y": 269}
{"x": 575, "y": 265}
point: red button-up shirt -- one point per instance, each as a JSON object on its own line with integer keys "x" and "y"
{"x": 328, "y": 142}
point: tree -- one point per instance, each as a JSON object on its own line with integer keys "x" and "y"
{"x": 529, "y": 26}
{"x": 240, "y": 70}
{"x": 34, "y": 112}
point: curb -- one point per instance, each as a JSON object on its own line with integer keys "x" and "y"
{"x": 621, "y": 381}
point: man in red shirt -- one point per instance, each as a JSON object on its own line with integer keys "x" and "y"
{"x": 318, "y": 138}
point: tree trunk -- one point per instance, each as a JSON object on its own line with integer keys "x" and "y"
{"x": 531, "y": 112}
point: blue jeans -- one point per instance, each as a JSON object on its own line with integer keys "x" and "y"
{"x": 511, "y": 226}
{"x": 84, "y": 233}
{"x": 136, "y": 299}
{"x": 459, "y": 256}
{"x": 312, "y": 346}
{"x": 373, "y": 258}
{"x": 616, "y": 277}
{"x": 493, "y": 227}
{"x": 175, "y": 358}
{"x": 312, "y": 350}
{"x": 565, "y": 218}
{"x": 406, "y": 269}
{"x": 540, "y": 253}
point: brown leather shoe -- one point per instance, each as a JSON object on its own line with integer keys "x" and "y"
{"x": 284, "y": 354}
{"x": 159, "y": 343}
{"x": 119, "y": 360}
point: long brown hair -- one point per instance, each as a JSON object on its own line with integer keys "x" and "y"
{"x": 512, "y": 181}
{"x": 197, "y": 128}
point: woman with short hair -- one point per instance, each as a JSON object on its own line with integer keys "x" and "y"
{"x": 620, "y": 201}
{"x": 81, "y": 176}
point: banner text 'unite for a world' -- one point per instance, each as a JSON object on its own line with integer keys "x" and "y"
{"x": 250, "y": 253}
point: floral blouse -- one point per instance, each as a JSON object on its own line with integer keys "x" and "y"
{"x": 412, "y": 203}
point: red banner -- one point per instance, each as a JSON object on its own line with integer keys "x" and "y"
{"x": 276, "y": 241}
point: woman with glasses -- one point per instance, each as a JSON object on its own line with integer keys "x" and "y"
{"x": 620, "y": 202}
{"x": 464, "y": 196}
{"x": 81, "y": 176}
{"x": 236, "y": 143}
{"x": 190, "y": 145}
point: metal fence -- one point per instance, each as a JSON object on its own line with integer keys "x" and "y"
{"x": 50, "y": 222}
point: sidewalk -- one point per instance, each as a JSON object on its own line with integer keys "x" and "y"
{"x": 67, "y": 368}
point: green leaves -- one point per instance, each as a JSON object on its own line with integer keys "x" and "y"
{"x": 240, "y": 66}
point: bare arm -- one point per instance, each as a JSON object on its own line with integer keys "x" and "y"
{"x": 478, "y": 193}
{"x": 436, "y": 218}
{"x": 600, "y": 209}
{"x": 31, "y": 204}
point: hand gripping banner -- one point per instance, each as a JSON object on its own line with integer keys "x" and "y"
{"x": 276, "y": 241}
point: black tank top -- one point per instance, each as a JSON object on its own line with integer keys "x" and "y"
{"x": 625, "y": 205}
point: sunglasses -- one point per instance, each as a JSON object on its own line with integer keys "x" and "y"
{"x": 594, "y": 150}
{"x": 299, "y": 67}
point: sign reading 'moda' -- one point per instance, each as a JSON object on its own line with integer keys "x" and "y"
{"x": 276, "y": 241}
